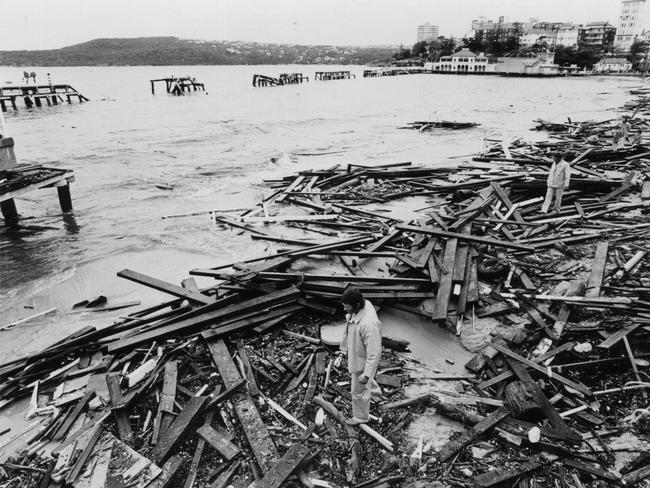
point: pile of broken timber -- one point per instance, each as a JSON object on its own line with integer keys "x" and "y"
{"x": 423, "y": 126}
{"x": 559, "y": 387}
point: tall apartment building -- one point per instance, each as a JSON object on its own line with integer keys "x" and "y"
{"x": 427, "y": 32}
{"x": 597, "y": 37}
{"x": 634, "y": 19}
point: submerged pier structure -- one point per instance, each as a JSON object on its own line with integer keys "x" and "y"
{"x": 18, "y": 179}
{"x": 178, "y": 85}
{"x": 35, "y": 95}
{"x": 333, "y": 75}
{"x": 283, "y": 79}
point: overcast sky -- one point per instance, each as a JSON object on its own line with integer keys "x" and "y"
{"x": 47, "y": 24}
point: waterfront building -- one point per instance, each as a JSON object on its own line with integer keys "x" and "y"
{"x": 632, "y": 22}
{"x": 538, "y": 36}
{"x": 539, "y": 65}
{"x": 597, "y": 37}
{"x": 568, "y": 36}
{"x": 427, "y": 32}
{"x": 613, "y": 65}
{"x": 462, "y": 62}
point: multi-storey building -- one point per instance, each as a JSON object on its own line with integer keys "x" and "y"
{"x": 538, "y": 36}
{"x": 597, "y": 37}
{"x": 568, "y": 36}
{"x": 427, "y": 32}
{"x": 634, "y": 19}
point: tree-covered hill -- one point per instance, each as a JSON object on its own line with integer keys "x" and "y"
{"x": 174, "y": 51}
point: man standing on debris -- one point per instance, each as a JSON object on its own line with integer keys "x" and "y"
{"x": 362, "y": 343}
{"x": 559, "y": 177}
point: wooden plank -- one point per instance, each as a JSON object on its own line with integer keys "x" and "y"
{"x": 177, "y": 429}
{"x": 617, "y": 336}
{"x": 452, "y": 447}
{"x": 121, "y": 418}
{"x": 219, "y": 442}
{"x": 466, "y": 237}
{"x": 164, "y": 416}
{"x": 499, "y": 475}
{"x": 165, "y": 287}
{"x": 597, "y": 270}
{"x": 72, "y": 415}
{"x": 169, "y": 469}
{"x": 634, "y": 477}
{"x": 301, "y": 376}
{"x": 258, "y": 436}
{"x": 446, "y": 282}
{"x": 195, "y": 319}
{"x": 498, "y": 189}
{"x": 294, "y": 184}
{"x": 194, "y": 467}
{"x": 250, "y": 377}
{"x": 281, "y": 470}
{"x": 576, "y": 386}
{"x": 597, "y": 472}
{"x": 81, "y": 461}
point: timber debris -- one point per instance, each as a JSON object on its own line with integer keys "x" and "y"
{"x": 234, "y": 382}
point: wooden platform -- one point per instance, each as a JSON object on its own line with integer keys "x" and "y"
{"x": 19, "y": 179}
{"x": 333, "y": 75}
{"x": 178, "y": 86}
{"x": 35, "y": 95}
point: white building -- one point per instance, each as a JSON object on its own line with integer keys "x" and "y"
{"x": 427, "y": 32}
{"x": 464, "y": 61}
{"x": 613, "y": 65}
{"x": 538, "y": 36}
{"x": 634, "y": 19}
{"x": 568, "y": 36}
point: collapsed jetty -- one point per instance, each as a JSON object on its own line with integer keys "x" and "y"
{"x": 36, "y": 95}
{"x": 235, "y": 382}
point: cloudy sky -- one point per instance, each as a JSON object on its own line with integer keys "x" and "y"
{"x": 44, "y": 24}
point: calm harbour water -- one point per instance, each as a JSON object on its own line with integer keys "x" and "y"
{"x": 214, "y": 149}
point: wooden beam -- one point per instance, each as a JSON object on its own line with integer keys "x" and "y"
{"x": 258, "y": 436}
{"x": 466, "y": 237}
{"x": 72, "y": 415}
{"x": 219, "y": 442}
{"x": 165, "y": 416}
{"x": 617, "y": 336}
{"x": 177, "y": 429}
{"x": 281, "y": 470}
{"x": 169, "y": 469}
{"x": 121, "y": 418}
{"x": 195, "y": 319}
{"x": 597, "y": 270}
{"x": 446, "y": 282}
{"x": 165, "y": 287}
{"x": 194, "y": 467}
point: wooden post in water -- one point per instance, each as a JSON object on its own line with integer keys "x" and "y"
{"x": 65, "y": 200}
{"x": 9, "y": 212}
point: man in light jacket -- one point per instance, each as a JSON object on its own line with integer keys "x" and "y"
{"x": 362, "y": 343}
{"x": 559, "y": 178}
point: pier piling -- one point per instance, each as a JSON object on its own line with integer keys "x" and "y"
{"x": 9, "y": 212}
{"x": 65, "y": 199}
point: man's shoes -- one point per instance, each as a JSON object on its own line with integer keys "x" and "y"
{"x": 355, "y": 421}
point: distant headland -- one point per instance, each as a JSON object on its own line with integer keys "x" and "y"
{"x": 159, "y": 51}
